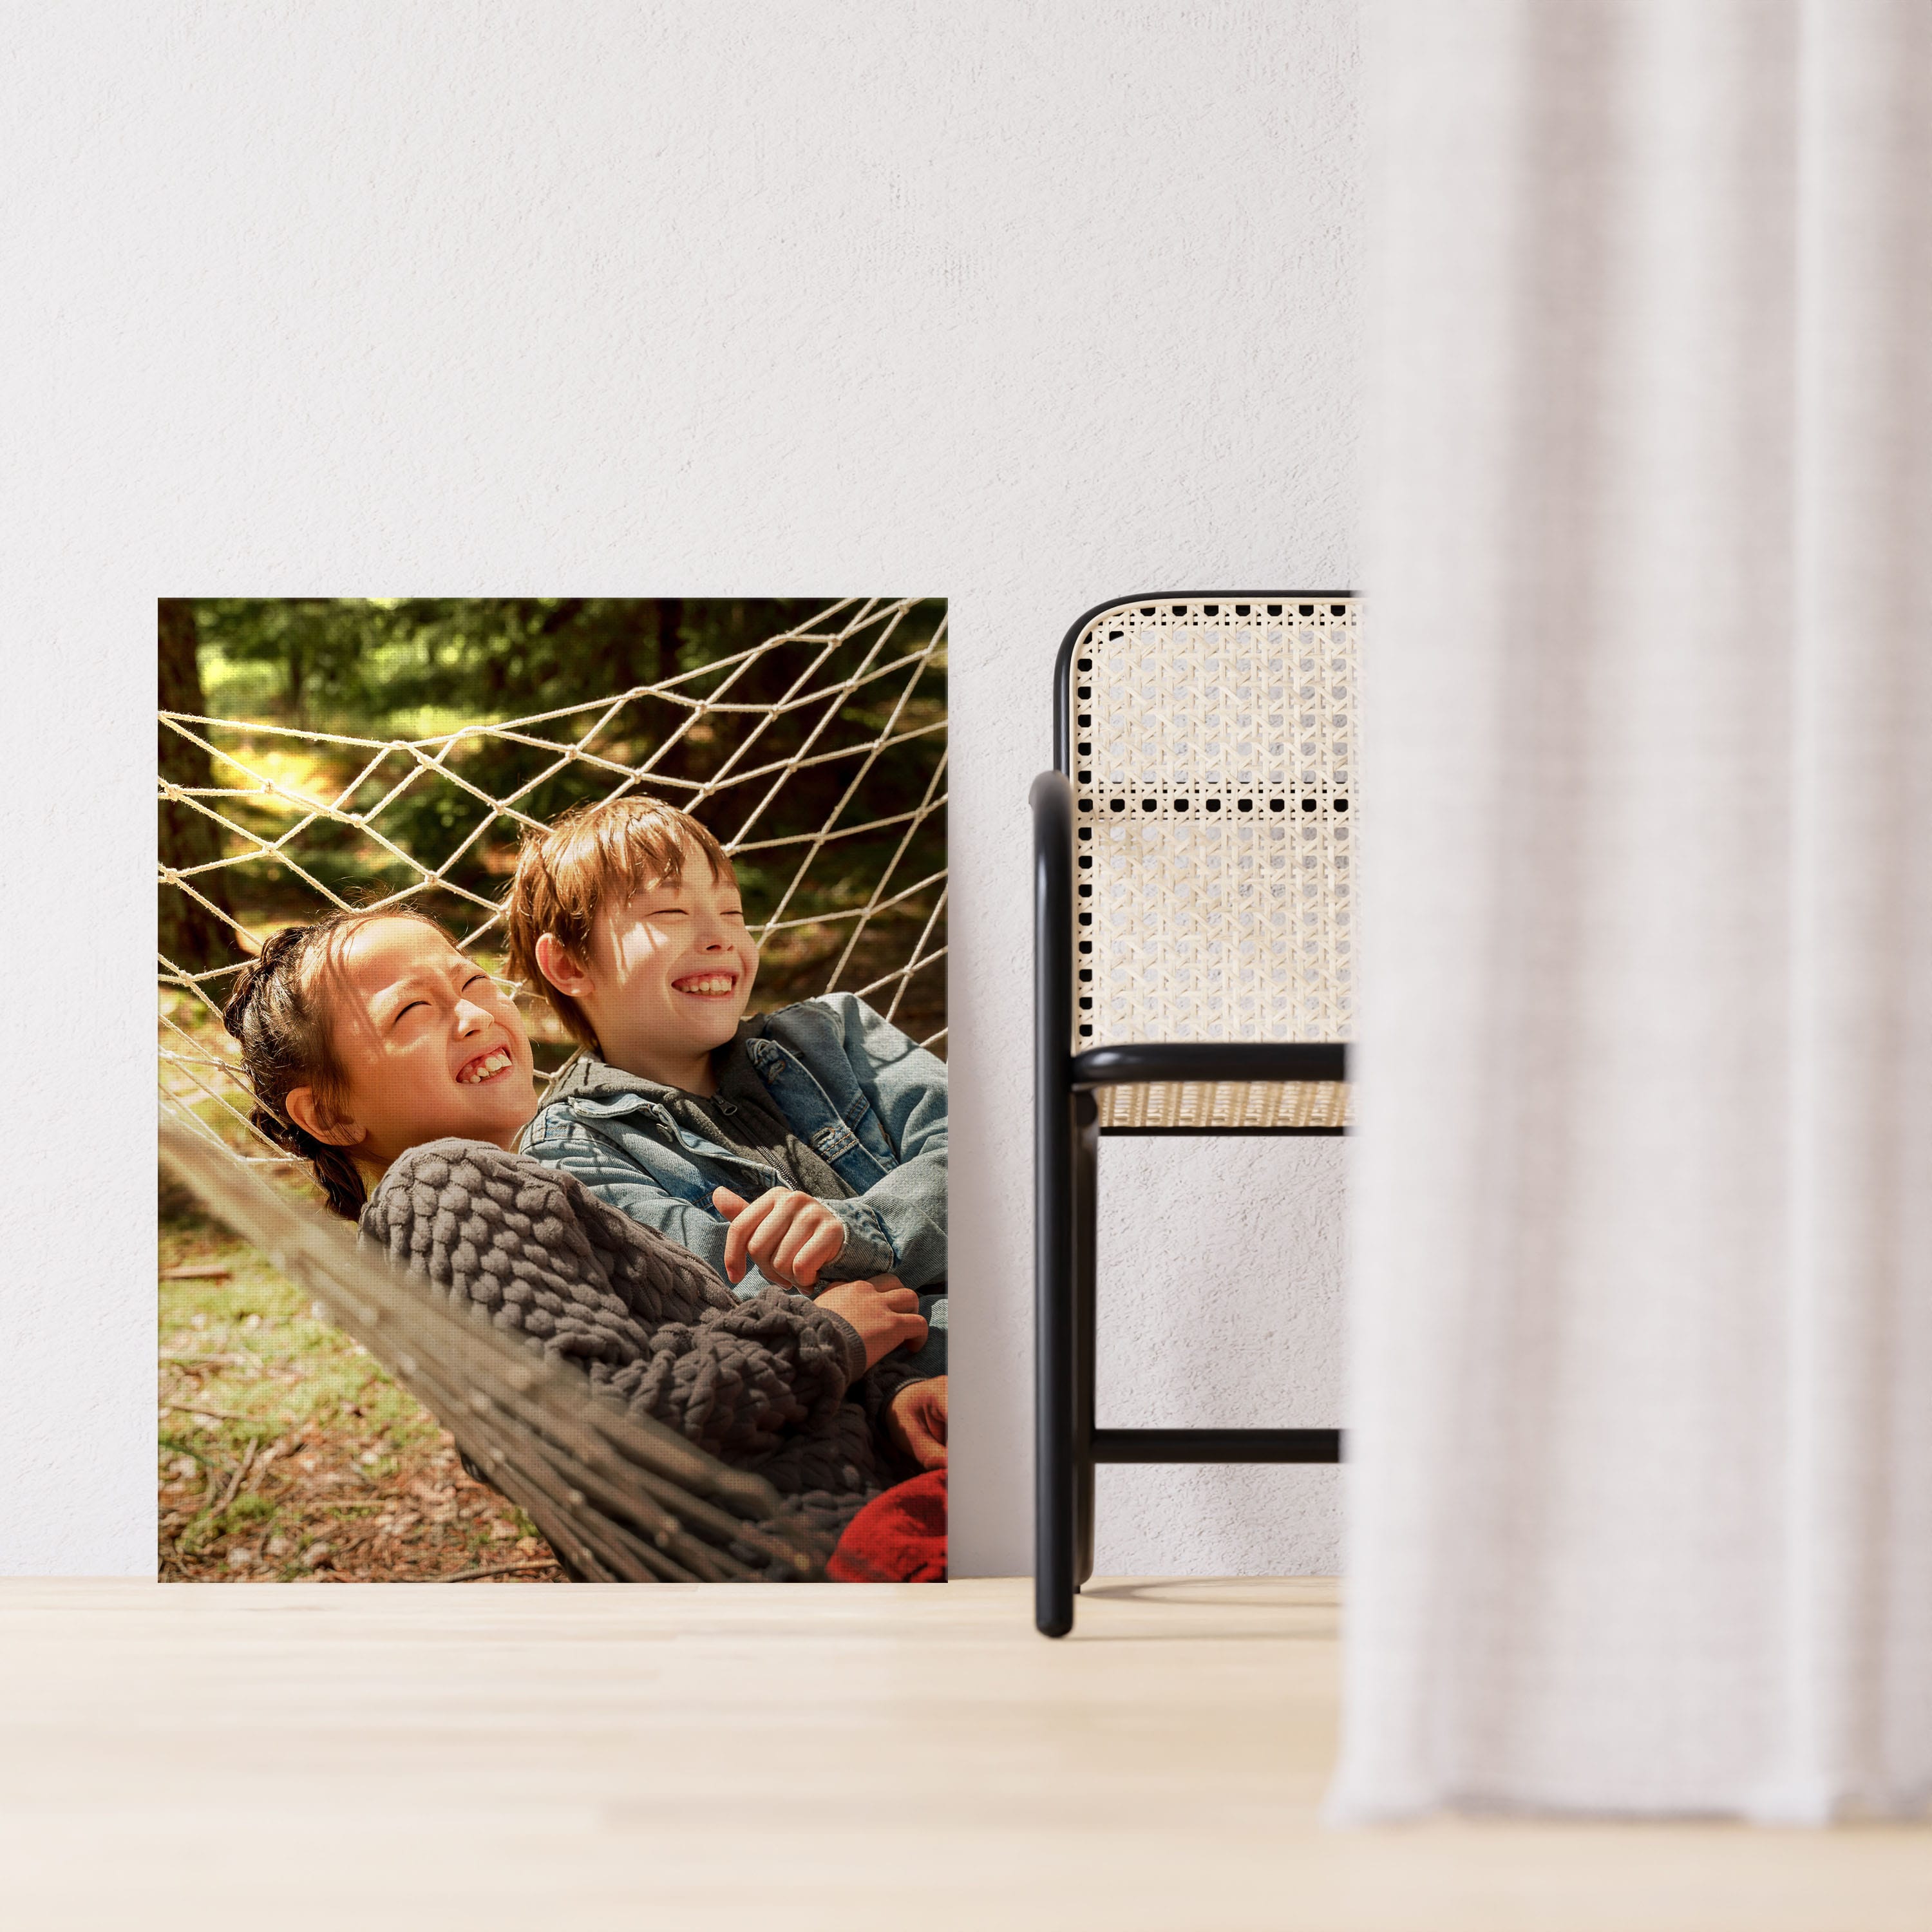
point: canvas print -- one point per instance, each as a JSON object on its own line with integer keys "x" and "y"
{"x": 552, "y": 1042}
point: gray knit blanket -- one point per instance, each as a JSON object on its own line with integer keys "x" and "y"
{"x": 774, "y": 1383}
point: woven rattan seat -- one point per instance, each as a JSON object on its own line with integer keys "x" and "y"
{"x": 1194, "y": 854}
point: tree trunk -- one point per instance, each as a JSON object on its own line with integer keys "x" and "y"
{"x": 671, "y": 623}
{"x": 191, "y": 937}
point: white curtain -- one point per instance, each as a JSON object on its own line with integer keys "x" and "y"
{"x": 1641, "y": 1495}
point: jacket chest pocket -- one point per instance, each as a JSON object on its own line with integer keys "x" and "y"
{"x": 833, "y": 1141}
{"x": 851, "y": 1142}
{"x": 868, "y": 1132}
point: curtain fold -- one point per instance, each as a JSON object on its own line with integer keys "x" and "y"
{"x": 1640, "y": 1491}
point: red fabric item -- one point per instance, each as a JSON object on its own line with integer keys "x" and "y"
{"x": 898, "y": 1537}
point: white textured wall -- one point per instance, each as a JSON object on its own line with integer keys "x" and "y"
{"x": 1220, "y": 1302}
{"x": 1024, "y": 305}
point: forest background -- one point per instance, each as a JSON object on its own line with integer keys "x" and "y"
{"x": 283, "y": 1450}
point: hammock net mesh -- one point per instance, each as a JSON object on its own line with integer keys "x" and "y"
{"x": 816, "y": 753}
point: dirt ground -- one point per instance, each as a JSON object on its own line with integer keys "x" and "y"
{"x": 285, "y": 1452}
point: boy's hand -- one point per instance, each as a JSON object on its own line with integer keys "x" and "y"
{"x": 791, "y": 1236}
{"x": 916, "y": 1421}
{"x": 884, "y": 1311}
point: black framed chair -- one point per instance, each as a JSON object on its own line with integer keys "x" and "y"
{"x": 1193, "y": 866}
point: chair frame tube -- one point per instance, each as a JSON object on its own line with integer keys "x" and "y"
{"x": 1055, "y": 1215}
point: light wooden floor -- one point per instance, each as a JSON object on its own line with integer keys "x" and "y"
{"x": 297, "y": 1756}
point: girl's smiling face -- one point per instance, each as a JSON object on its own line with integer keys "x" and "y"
{"x": 670, "y": 972}
{"x": 429, "y": 1046}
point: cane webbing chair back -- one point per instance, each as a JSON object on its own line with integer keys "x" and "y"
{"x": 1211, "y": 744}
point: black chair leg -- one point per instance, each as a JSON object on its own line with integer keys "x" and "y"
{"x": 1056, "y": 1285}
{"x": 1086, "y": 1327}
{"x": 1059, "y": 1448}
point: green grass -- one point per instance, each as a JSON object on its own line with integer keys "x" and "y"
{"x": 285, "y": 1452}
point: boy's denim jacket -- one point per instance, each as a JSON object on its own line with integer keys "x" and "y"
{"x": 870, "y": 1102}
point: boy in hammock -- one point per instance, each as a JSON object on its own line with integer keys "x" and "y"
{"x": 803, "y": 1147}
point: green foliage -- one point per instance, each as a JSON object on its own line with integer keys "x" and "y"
{"x": 416, "y": 668}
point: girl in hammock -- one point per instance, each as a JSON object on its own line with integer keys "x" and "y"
{"x": 401, "y": 1073}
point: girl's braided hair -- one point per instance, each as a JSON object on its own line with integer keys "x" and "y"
{"x": 281, "y": 1023}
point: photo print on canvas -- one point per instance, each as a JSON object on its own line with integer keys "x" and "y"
{"x": 552, "y": 1032}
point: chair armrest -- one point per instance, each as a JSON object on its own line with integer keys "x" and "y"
{"x": 1210, "y": 1059}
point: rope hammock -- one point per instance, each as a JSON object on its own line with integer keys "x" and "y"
{"x": 619, "y": 1498}
{"x": 728, "y": 741}
{"x": 860, "y": 650}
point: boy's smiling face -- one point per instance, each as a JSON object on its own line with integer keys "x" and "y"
{"x": 669, "y": 976}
